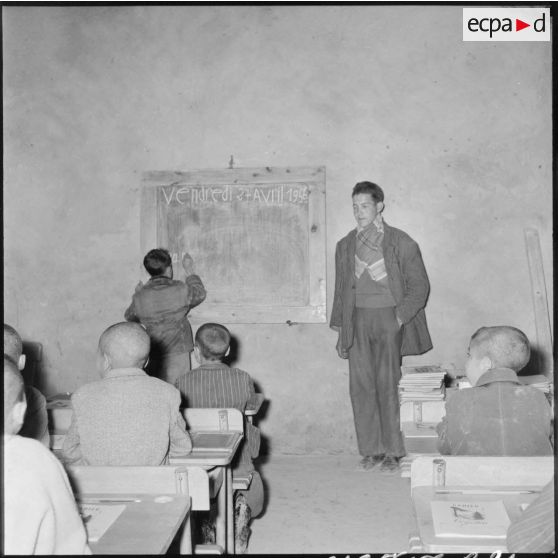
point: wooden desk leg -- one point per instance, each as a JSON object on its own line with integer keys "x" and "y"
{"x": 186, "y": 537}
{"x": 221, "y": 519}
{"x": 230, "y": 512}
{"x": 415, "y": 542}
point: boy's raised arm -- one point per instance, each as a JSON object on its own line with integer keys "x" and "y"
{"x": 196, "y": 291}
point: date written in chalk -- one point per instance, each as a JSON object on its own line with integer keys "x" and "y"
{"x": 279, "y": 194}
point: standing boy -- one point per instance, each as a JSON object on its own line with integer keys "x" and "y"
{"x": 40, "y": 513}
{"x": 162, "y": 306}
{"x": 498, "y": 415}
{"x": 128, "y": 417}
{"x": 381, "y": 288}
{"x": 214, "y": 384}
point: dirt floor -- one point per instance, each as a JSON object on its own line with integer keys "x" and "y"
{"x": 322, "y": 504}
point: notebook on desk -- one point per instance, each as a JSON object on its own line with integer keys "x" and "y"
{"x": 212, "y": 440}
{"x": 470, "y": 519}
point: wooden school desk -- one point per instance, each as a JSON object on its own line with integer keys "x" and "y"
{"x": 157, "y": 506}
{"x": 210, "y": 421}
{"x": 253, "y": 406}
{"x": 514, "y": 480}
{"x": 59, "y": 411}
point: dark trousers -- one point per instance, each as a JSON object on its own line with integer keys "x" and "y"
{"x": 374, "y": 371}
{"x": 169, "y": 367}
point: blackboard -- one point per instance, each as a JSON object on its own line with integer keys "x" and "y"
{"x": 257, "y": 237}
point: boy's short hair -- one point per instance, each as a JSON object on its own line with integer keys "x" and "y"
{"x": 506, "y": 346}
{"x": 126, "y": 343}
{"x": 369, "y": 188}
{"x": 14, "y": 387}
{"x": 213, "y": 340}
{"x": 156, "y": 261}
{"x": 13, "y": 345}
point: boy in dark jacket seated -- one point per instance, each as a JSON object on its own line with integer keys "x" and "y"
{"x": 498, "y": 415}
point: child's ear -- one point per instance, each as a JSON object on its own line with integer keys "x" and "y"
{"x": 228, "y": 351}
{"x": 197, "y": 354}
{"x": 21, "y": 362}
{"x": 485, "y": 363}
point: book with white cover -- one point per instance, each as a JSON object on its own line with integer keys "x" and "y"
{"x": 470, "y": 519}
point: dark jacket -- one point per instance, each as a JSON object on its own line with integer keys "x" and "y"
{"x": 162, "y": 306}
{"x": 499, "y": 416}
{"x": 408, "y": 283}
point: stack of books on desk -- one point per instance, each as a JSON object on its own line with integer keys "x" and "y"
{"x": 422, "y": 383}
{"x": 537, "y": 381}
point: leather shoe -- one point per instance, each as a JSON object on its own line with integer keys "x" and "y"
{"x": 369, "y": 462}
{"x": 390, "y": 464}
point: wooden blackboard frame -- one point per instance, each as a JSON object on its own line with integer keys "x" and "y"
{"x": 312, "y": 177}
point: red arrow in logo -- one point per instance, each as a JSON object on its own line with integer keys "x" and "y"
{"x": 519, "y": 25}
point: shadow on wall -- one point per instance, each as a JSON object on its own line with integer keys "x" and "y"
{"x": 538, "y": 363}
{"x": 33, "y": 371}
{"x": 230, "y": 360}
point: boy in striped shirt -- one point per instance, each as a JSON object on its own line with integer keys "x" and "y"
{"x": 214, "y": 384}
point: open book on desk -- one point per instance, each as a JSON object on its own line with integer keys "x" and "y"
{"x": 470, "y": 519}
{"x": 212, "y": 440}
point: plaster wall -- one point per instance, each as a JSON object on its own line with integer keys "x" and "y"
{"x": 458, "y": 134}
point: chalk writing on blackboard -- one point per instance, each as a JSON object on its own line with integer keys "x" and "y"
{"x": 257, "y": 237}
{"x": 194, "y": 195}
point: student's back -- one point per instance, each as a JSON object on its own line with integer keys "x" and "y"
{"x": 40, "y": 513}
{"x": 499, "y": 416}
{"x": 162, "y": 306}
{"x": 128, "y": 418}
{"x": 216, "y": 385}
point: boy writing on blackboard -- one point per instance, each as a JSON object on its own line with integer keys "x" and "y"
{"x": 162, "y": 306}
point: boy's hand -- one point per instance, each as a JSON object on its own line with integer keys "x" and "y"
{"x": 139, "y": 286}
{"x": 188, "y": 264}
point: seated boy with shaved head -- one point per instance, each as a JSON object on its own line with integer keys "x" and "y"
{"x": 498, "y": 415}
{"x": 40, "y": 513}
{"x": 35, "y": 424}
{"x": 127, "y": 417}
